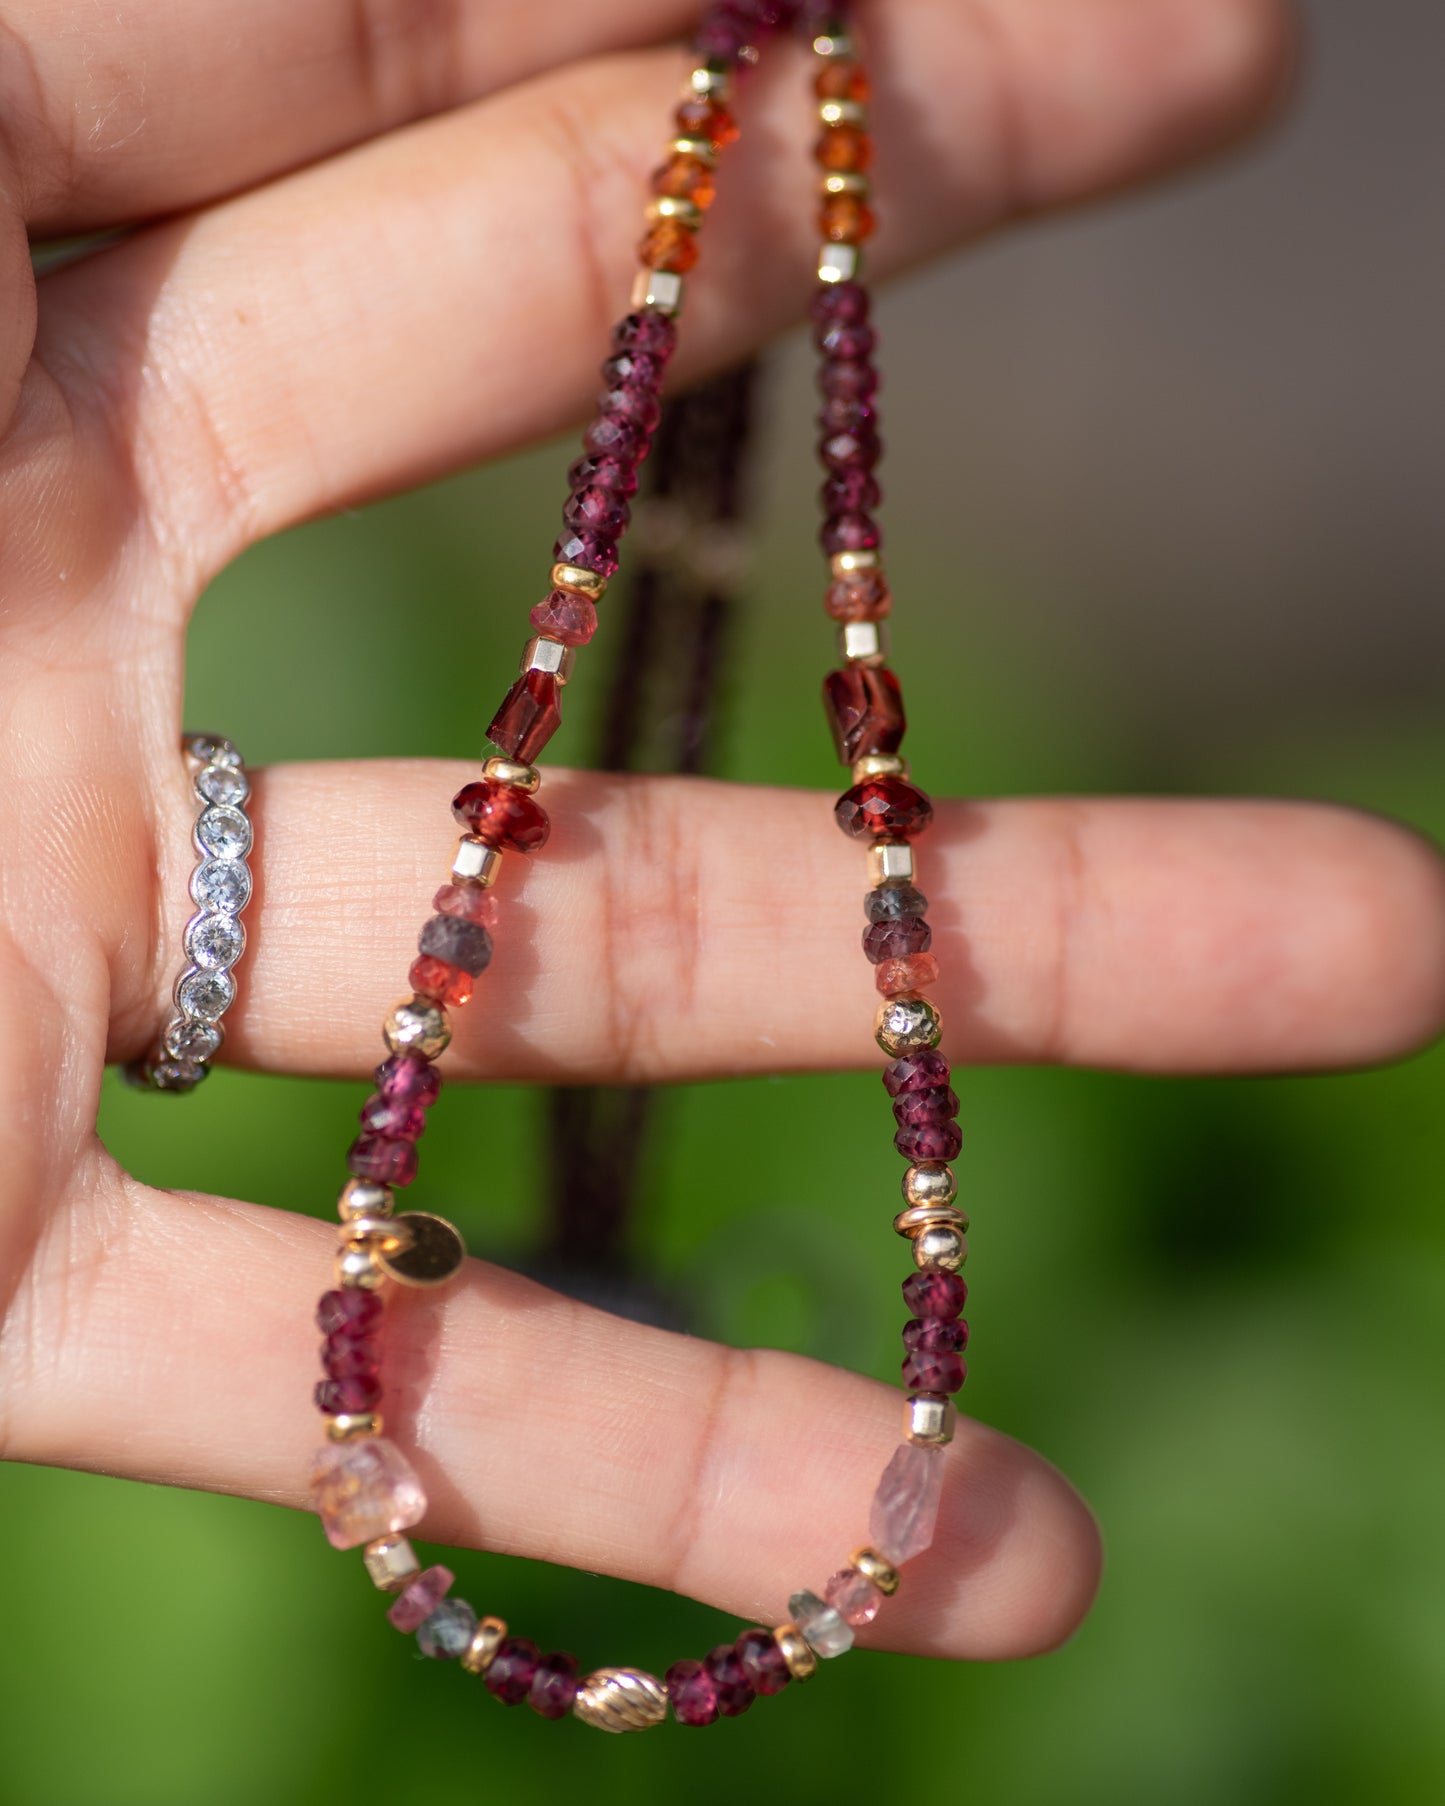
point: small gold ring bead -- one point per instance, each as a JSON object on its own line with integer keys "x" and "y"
{"x": 391, "y": 1562}
{"x": 701, "y": 150}
{"x": 802, "y": 1663}
{"x": 939, "y": 1250}
{"x": 844, "y": 564}
{"x": 351, "y": 1426}
{"x": 417, "y": 1025}
{"x": 843, "y": 112}
{"x": 356, "y": 1268}
{"x": 879, "y": 765}
{"x": 674, "y": 206}
{"x": 930, "y": 1184}
{"x": 364, "y": 1198}
{"x": 709, "y": 81}
{"x": 833, "y": 44}
{"x": 579, "y": 579}
{"x": 390, "y": 1235}
{"x": 928, "y": 1420}
{"x": 871, "y": 1565}
{"x": 913, "y": 1222}
{"x": 890, "y": 862}
{"x": 905, "y": 1024}
{"x": 486, "y": 1641}
{"x": 513, "y": 772}
{"x": 846, "y": 181}
{"x": 621, "y": 1699}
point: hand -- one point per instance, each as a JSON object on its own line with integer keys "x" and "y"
{"x": 423, "y": 295}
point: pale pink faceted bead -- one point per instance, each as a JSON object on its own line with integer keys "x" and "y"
{"x": 854, "y": 1597}
{"x": 420, "y": 1599}
{"x": 364, "y": 1490}
{"x": 905, "y": 1506}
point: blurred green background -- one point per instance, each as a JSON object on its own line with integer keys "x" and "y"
{"x": 1216, "y": 1303}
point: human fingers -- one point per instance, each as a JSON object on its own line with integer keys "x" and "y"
{"x": 663, "y": 1459}
{"x": 663, "y": 936}
{"x": 442, "y": 295}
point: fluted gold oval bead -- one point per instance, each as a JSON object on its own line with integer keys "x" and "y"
{"x": 912, "y": 1223}
{"x": 802, "y": 1663}
{"x": 871, "y": 1565}
{"x": 349, "y": 1426}
{"x": 486, "y": 1641}
{"x": 578, "y": 578}
{"x": 906, "y": 1024}
{"x": 356, "y": 1269}
{"x": 934, "y": 1183}
{"x": 417, "y": 1025}
{"x": 621, "y": 1699}
{"x": 362, "y": 1198}
{"x": 939, "y": 1250}
{"x": 928, "y": 1420}
{"x": 513, "y": 772}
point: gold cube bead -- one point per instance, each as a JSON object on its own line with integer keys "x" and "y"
{"x": 879, "y": 765}
{"x": 863, "y": 642}
{"x": 913, "y": 1222}
{"x": 802, "y": 1663}
{"x": 660, "y": 290}
{"x": 890, "y": 862}
{"x": 928, "y": 1420}
{"x": 906, "y": 1024}
{"x": 621, "y": 1699}
{"x": 843, "y": 112}
{"x": 839, "y": 263}
{"x": 930, "y": 1184}
{"x": 363, "y": 1198}
{"x": 551, "y": 656}
{"x": 939, "y": 1249}
{"x": 417, "y": 1025}
{"x": 513, "y": 772}
{"x": 674, "y": 206}
{"x": 579, "y": 580}
{"x": 474, "y": 862}
{"x": 355, "y": 1269}
{"x": 486, "y": 1641}
{"x": 846, "y": 181}
{"x": 844, "y": 564}
{"x": 350, "y": 1426}
{"x": 701, "y": 150}
{"x": 871, "y": 1565}
{"x": 391, "y": 1562}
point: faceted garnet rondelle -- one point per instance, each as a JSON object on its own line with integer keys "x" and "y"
{"x": 763, "y": 1661}
{"x": 883, "y": 809}
{"x": 502, "y": 816}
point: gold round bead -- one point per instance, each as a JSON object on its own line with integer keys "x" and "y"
{"x": 578, "y": 578}
{"x": 363, "y": 1198}
{"x": 906, "y": 1024}
{"x": 846, "y": 181}
{"x": 928, "y": 1420}
{"x": 843, "y": 564}
{"x": 621, "y": 1699}
{"x": 871, "y": 1565}
{"x": 350, "y": 1426}
{"x": 356, "y": 1269}
{"x": 913, "y": 1222}
{"x": 513, "y": 772}
{"x": 417, "y": 1025}
{"x": 941, "y": 1249}
{"x": 931, "y": 1184}
{"x": 802, "y": 1663}
{"x": 486, "y": 1641}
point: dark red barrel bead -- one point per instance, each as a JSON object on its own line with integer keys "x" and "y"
{"x": 934, "y": 1294}
{"x": 351, "y": 1309}
{"x": 341, "y": 1398}
{"x": 512, "y": 1670}
{"x": 921, "y": 1071}
{"x": 883, "y": 809}
{"x": 933, "y": 1371}
{"x": 502, "y": 816}
{"x": 936, "y": 1335}
{"x": 864, "y": 705}
{"x": 457, "y": 941}
{"x": 648, "y": 331}
{"x": 382, "y": 1115}
{"x": 530, "y": 714}
{"x": 693, "y": 1696}
{"x": 409, "y": 1078}
{"x": 926, "y": 1142}
{"x": 763, "y": 1661}
{"x": 731, "y": 1686}
{"x": 346, "y": 1357}
{"x": 381, "y": 1159}
{"x": 890, "y": 902}
{"x": 839, "y": 304}
{"x": 554, "y": 1686}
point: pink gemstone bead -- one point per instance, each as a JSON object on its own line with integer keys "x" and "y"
{"x": 417, "y": 1603}
{"x": 935, "y": 1294}
{"x": 469, "y": 901}
{"x": 563, "y": 616}
{"x": 379, "y": 1158}
{"x": 854, "y": 1597}
{"x": 363, "y": 1490}
{"x": 350, "y": 1357}
{"x": 356, "y": 1312}
{"x": 382, "y": 1115}
{"x": 338, "y": 1398}
{"x": 905, "y": 1506}
{"x": 900, "y": 977}
{"x": 409, "y": 1078}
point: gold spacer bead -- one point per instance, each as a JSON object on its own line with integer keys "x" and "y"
{"x": 709, "y": 81}
{"x": 351, "y": 1426}
{"x": 660, "y": 290}
{"x": 941, "y": 1249}
{"x": 486, "y": 1641}
{"x": 356, "y": 1269}
{"x": 417, "y": 1025}
{"x": 871, "y": 1565}
{"x": 677, "y": 207}
{"x": 904, "y": 1024}
{"x": 930, "y": 1184}
{"x": 928, "y": 1420}
{"x": 863, "y": 642}
{"x": 802, "y": 1663}
{"x": 913, "y": 1222}
{"x": 391, "y": 1562}
{"x": 579, "y": 580}
{"x": 621, "y": 1699}
{"x": 363, "y": 1198}
{"x": 386, "y": 1235}
{"x": 890, "y": 862}
{"x": 834, "y": 44}
{"x": 513, "y": 772}
{"x": 879, "y": 765}
{"x": 551, "y": 656}
{"x": 843, "y": 112}
{"x": 474, "y": 862}
{"x": 840, "y": 263}
{"x": 846, "y": 181}
{"x": 844, "y": 564}
{"x": 701, "y": 150}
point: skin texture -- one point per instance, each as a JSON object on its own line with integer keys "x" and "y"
{"x": 336, "y": 212}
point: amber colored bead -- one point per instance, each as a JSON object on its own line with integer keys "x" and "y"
{"x": 900, "y": 977}
{"x": 706, "y": 119}
{"x": 437, "y": 979}
{"x": 844, "y": 148}
{"x": 861, "y": 596}
{"x": 685, "y": 179}
{"x": 846, "y": 219}
{"x": 839, "y": 79}
{"x": 669, "y": 246}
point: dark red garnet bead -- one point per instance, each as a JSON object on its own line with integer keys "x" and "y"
{"x": 763, "y": 1661}
{"x": 921, "y": 1071}
{"x": 929, "y": 1141}
{"x": 593, "y": 551}
{"x": 847, "y": 491}
{"x": 502, "y": 816}
{"x": 934, "y": 1294}
{"x": 356, "y": 1311}
{"x": 890, "y": 901}
{"x": 936, "y": 1334}
{"x": 530, "y": 714}
{"x": 654, "y": 333}
{"x": 512, "y": 1670}
{"x": 382, "y": 1159}
{"x": 733, "y": 1690}
{"x": 340, "y": 1398}
{"x": 345, "y": 1357}
{"x": 381, "y": 1115}
{"x": 897, "y": 940}
{"x": 883, "y": 809}
{"x": 926, "y": 1372}
{"x": 409, "y": 1078}
{"x": 839, "y": 303}
{"x": 865, "y": 711}
{"x": 693, "y": 1696}
{"x": 554, "y": 1686}
{"x": 928, "y": 1104}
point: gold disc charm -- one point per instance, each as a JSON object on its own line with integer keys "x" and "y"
{"x": 434, "y": 1255}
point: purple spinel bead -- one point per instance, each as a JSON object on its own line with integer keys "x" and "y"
{"x": 733, "y": 1689}
{"x": 922, "y": 1071}
{"x": 839, "y": 303}
{"x": 512, "y": 1670}
{"x": 597, "y": 511}
{"x": 934, "y": 1294}
{"x": 936, "y": 1335}
{"x": 408, "y": 1078}
{"x": 928, "y": 1142}
{"x": 592, "y": 551}
{"x": 933, "y": 1370}
{"x": 763, "y": 1661}
{"x": 850, "y": 533}
{"x": 356, "y": 1311}
{"x": 898, "y": 939}
{"x": 693, "y": 1696}
{"x": 890, "y": 901}
{"x": 554, "y": 1686}
{"x": 647, "y": 331}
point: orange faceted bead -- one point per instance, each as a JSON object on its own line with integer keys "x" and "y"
{"x": 839, "y": 79}
{"x": 902, "y": 977}
{"x": 669, "y": 246}
{"x": 846, "y": 219}
{"x": 436, "y": 978}
{"x": 844, "y": 148}
{"x": 706, "y": 119}
{"x": 685, "y": 179}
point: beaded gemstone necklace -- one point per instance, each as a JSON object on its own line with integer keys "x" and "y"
{"x": 364, "y": 1488}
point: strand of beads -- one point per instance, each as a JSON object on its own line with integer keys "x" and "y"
{"x": 364, "y": 1488}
